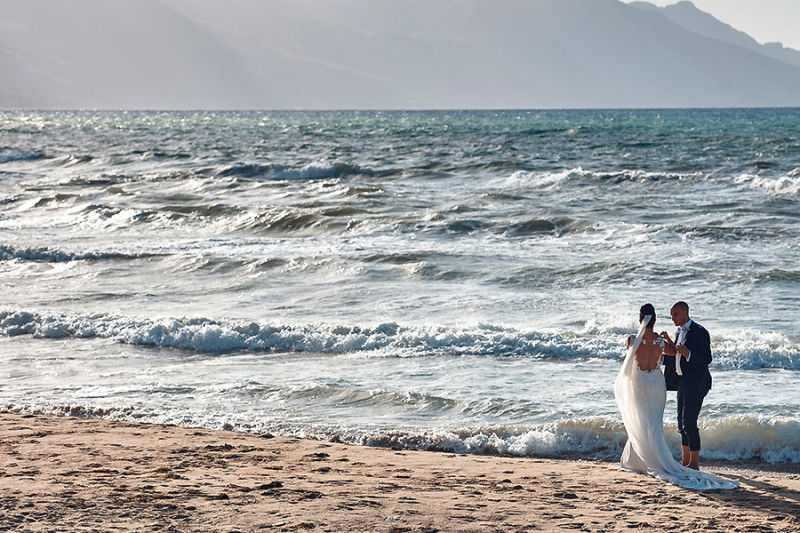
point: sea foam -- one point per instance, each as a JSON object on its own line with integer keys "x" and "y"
{"x": 736, "y": 438}
{"x": 788, "y": 184}
{"x": 552, "y": 179}
{"x": 740, "y": 438}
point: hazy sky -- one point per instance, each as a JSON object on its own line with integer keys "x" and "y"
{"x": 764, "y": 20}
{"x": 384, "y": 54}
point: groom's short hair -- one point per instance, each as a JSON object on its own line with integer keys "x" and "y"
{"x": 682, "y": 305}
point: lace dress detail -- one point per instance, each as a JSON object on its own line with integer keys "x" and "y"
{"x": 655, "y": 342}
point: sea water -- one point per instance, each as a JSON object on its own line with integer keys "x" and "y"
{"x": 446, "y": 280}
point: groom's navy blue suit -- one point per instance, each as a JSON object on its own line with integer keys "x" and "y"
{"x": 693, "y": 385}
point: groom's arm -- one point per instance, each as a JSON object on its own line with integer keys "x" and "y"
{"x": 700, "y": 347}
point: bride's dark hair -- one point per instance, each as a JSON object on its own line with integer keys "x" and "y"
{"x": 648, "y": 310}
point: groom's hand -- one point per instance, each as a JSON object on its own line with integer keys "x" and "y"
{"x": 683, "y": 350}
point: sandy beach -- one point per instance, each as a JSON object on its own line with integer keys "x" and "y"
{"x": 74, "y": 474}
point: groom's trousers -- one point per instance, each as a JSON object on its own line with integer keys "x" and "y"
{"x": 690, "y": 400}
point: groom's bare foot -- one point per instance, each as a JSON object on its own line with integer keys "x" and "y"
{"x": 694, "y": 460}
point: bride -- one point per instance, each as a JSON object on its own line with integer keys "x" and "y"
{"x": 641, "y": 395}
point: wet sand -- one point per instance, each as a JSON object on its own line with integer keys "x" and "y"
{"x": 74, "y": 474}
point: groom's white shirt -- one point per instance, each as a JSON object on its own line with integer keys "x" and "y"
{"x": 680, "y": 340}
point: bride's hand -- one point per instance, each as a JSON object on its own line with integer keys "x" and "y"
{"x": 669, "y": 346}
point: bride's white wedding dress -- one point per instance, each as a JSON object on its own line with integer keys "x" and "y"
{"x": 641, "y": 396}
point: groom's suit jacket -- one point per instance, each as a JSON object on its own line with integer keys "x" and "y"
{"x": 695, "y": 371}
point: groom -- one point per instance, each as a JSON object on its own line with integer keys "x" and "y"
{"x": 688, "y": 375}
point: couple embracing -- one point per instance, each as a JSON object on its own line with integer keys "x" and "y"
{"x": 641, "y": 391}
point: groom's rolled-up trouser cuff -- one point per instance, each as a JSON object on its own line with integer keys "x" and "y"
{"x": 689, "y": 404}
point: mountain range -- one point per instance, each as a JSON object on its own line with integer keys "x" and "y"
{"x": 382, "y": 54}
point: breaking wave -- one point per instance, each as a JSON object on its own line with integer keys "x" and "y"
{"x": 747, "y": 351}
{"x": 8, "y": 157}
{"x": 735, "y": 438}
{"x": 552, "y": 179}
{"x": 49, "y": 255}
{"x": 783, "y": 185}
{"x": 315, "y": 171}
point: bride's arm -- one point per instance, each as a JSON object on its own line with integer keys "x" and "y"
{"x": 669, "y": 346}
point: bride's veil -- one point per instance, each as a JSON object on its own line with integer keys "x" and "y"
{"x": 623, "y": 385}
